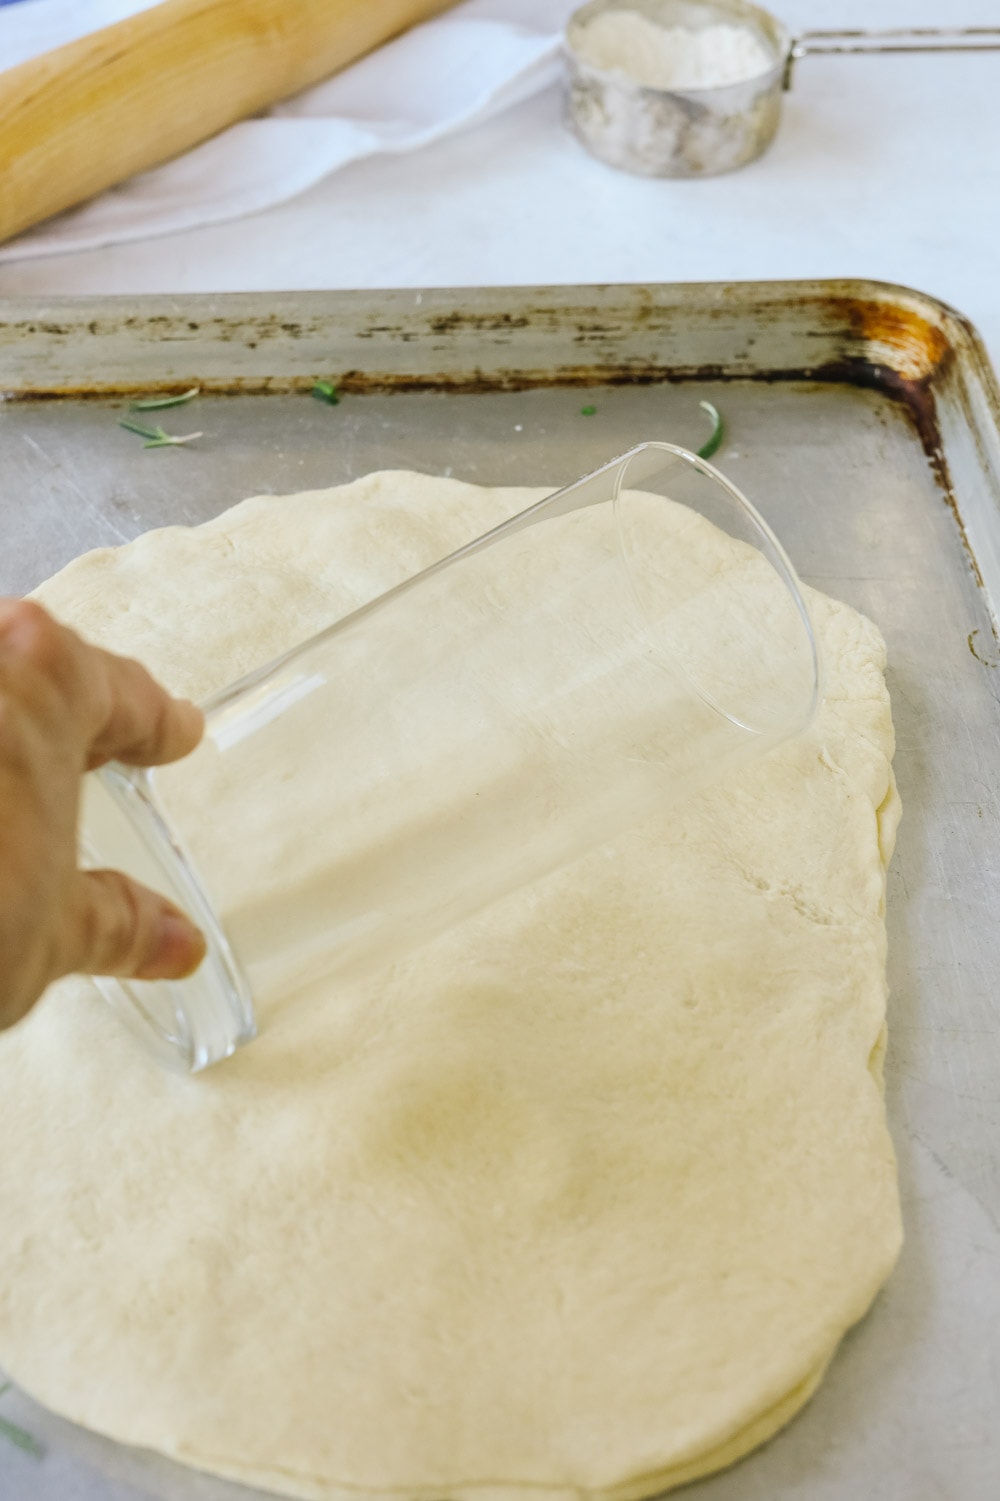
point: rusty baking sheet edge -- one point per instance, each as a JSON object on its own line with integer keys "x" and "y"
{"x": 912, "y": 348}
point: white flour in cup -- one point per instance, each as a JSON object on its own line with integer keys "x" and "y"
{"x": 627, "y": 44}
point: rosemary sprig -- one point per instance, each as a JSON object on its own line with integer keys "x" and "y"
{"x": 19, "y": 1437}
{"x": 158, "y": 403}
{"x": 718, "y": 431}
{"x": 156, "y": 437}
{"x": 325, "y": 390}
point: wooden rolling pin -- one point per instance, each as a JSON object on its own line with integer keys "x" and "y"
{"x": 90, "y": 114}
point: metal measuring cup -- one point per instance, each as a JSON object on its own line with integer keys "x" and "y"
{"x": 699, "y": 132}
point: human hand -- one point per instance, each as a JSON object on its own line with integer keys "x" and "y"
{"x": 66, "y": 707}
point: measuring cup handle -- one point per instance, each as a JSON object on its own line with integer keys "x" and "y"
{"x": 903, "y": 39}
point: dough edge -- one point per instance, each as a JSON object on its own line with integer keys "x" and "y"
{"x": 655, "y": 1483}
{"x": 773, "y": 1416}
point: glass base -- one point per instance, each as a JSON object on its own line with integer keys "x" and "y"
{"x": 189, "y": 1023}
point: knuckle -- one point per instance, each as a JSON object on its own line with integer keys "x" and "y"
{"x": 31, "y": 630}
{"x": 38, "y": 664}
{"x": 21, "y": 614}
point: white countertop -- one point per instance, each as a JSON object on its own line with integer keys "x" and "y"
{"x": 884, "y": 167}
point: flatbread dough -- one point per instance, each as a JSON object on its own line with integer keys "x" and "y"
{"x": 577, "y": 1200}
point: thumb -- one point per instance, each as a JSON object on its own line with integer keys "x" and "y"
{"x": 118, "y": 927}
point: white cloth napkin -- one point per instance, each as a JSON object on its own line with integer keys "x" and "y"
{"x": 470, "y": 63}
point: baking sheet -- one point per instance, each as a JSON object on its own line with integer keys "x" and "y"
{"x": 863, "y": 421}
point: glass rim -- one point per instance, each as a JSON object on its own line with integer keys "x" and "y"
{"x": 775, "y": 555}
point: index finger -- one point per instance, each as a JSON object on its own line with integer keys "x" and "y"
{"x": 143, "y": 724}
{"x": 104, "y": 705}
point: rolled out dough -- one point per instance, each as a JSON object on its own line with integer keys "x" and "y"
{"x": 578, "y": 1200}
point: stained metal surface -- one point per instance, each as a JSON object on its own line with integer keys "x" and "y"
{"x": 863, "y": 421}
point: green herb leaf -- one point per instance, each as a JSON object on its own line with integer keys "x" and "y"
{"x": 324, "y": 390}
{"x": 156, "y": 437}
{"x": 157, "y": 403}
{"x": 19, "y": 1437}
{"x": 718, "y": 431}
{"x": 587, "y": 411}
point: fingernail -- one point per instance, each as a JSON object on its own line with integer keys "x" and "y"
{"x": 177, "y": 950}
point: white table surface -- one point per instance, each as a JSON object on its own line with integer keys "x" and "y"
{"x": 885, "y": 167}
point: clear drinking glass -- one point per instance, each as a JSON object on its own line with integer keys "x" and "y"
{"x": 607, "y": 651}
